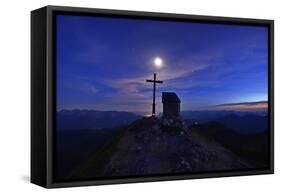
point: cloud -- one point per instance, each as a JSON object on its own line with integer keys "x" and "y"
{"x": 171, "y": 74}
{"x": 244, "y": 106}
{"x": 180, "y": 71}
{"x": 78, "y": 83}
{"x": 93, "y": 89}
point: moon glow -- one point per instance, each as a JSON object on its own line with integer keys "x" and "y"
{"x": 158, "y": 62}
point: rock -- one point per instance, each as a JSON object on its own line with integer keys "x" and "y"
{"x": 155, "y": 127}
{"x": 157, "y": 151}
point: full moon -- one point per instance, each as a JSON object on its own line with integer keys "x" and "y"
{"x": 158, "y": 62}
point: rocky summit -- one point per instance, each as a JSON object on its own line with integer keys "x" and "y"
{"x": 159, "y": 146}
{"x": 151, "y": 146}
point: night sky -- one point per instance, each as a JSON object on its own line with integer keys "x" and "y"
{"x": 102, "y": 64}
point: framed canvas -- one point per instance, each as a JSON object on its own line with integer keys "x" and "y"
{"x": 126, "y": 96}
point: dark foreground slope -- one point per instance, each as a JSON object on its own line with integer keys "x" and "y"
{"x": 253, "y": 147}
{"x": 154, "y": 146}
{"x": 73, "y": 147}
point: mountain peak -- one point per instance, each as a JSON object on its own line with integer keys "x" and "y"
{"x": 158, "y": 145}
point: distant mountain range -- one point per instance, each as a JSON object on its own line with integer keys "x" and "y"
{"x": 245, "y": 124}
{"x": 213, "y": 114}
{"x": 93, "y": 119}
{"x": 241, "y": 122}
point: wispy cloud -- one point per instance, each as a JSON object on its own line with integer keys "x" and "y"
{"x": 172, "y": 73}
{"x": 243, "y": 106}
{"x": 136, "y": 90}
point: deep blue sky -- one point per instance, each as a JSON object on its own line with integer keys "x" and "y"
{"x": 102, "y": 63}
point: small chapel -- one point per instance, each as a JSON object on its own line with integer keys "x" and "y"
{"x": 171, "y": 104}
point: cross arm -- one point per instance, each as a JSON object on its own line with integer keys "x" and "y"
{"x": 156, "y": 81}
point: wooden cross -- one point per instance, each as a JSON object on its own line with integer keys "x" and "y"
{"x": 154, "y": 81}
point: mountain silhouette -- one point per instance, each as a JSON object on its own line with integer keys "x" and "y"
{"x": 253, "y": 147}
{"x": 245, "y": 124}
{"x": 241, "y": 122}
{"x": 150, "y": 146}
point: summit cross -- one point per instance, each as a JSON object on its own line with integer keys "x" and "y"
{"x": 154, "y": 81}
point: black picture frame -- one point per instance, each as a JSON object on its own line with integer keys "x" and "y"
{"x": 43, "y": 87}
